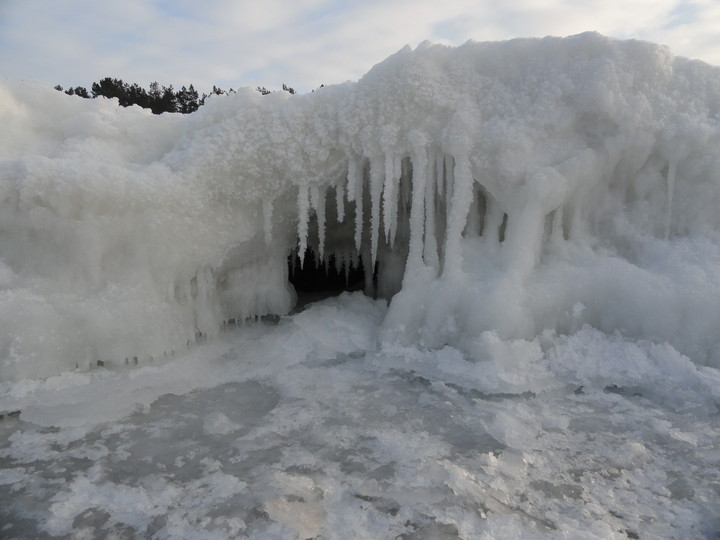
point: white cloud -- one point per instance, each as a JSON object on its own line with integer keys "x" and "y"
{"x": 304, "y": 42}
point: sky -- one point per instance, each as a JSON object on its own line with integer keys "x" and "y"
{"x": 304, "y": 43}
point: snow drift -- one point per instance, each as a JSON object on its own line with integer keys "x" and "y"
{"x": 511, "y": 187}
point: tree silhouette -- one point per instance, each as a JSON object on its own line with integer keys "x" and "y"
{"x": 77, "y": 91}
{"x": 188, "y": 100}
{"x": 158, "y": 99}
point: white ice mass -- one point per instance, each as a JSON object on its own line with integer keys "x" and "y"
{"x": 543, "y": 217}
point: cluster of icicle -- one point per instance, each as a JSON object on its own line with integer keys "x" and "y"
{"x": 396, "y": 199}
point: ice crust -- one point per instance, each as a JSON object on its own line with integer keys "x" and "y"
{"x": 511, "y": 187}
{"x": 310, "y": 428}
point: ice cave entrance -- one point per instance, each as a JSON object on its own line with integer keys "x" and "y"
{"x": 327, "y": 262}
{"x": 512, "y": 188}
{"x": 315, "y": 279}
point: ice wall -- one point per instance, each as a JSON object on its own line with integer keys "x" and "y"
{"x": 512, "y": 187}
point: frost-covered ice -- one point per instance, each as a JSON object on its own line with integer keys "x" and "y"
{"x": 541, "y": 216}
{"x": 497, "y": 186}
{"x": 281, "y": 431}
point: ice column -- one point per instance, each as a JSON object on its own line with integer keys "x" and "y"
{"x": 460, "y": 206}
{"x": 376, "y": 188}
{"x": 340, "y": 200}
{"x": 390, "y": 193}
{"x": 430, "y": 247}
{"x": 417, "y": 210}
{"x": 672, "y": 169}
{"x": 317, "y": 199}
{"x": 303, "y": 205}
{"x": 355, "y": 193}
{"x": 267, "y": 208}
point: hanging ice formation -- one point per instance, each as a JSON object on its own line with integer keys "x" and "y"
{"x": 490, "y": 187}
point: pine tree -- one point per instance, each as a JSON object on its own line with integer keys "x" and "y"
{"x": 158, "y": 99}
{"x": 187, "y": 100}
{"x": 81, "y": 91}
{"x": 109, "y": 88}
{"x": 168, "y": 101}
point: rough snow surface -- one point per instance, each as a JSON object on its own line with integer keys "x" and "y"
{"x": 282, "y": 431}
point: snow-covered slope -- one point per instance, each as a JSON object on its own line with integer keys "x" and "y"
{"x": 511, "y": 187}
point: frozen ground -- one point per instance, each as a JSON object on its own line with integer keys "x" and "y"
{"x": 309, "y": 429}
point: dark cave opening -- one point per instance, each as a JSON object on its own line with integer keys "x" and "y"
{"x": 316, "y": 280}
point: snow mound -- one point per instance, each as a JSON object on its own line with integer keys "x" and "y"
{"x": 507, "y": 187}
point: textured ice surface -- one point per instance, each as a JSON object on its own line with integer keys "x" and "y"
{"x": 285, "y": 433}
{"x": 497, "y": 185}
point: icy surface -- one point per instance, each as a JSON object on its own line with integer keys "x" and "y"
{"x": 286, "y": 431}
{"x": 536, "y": 353}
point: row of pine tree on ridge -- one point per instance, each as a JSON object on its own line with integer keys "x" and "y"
{"x": 158, "y": 99}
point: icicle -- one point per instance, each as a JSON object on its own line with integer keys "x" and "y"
{"x": 368, "y": 274}
{"x": 390, "y": 197}
{"x": 406, "y": 183}
{"x": 417, "y": 210}
{"x": 358, "y": 182}
{"x": 303, "y": 205}
{"x": 494, "y": 215}
{"x": 430, "y": 252}
{"x": 439, "y": 174}
{"x": 326, "y": 263}
{"x": 354, "y": 177}
{"x": 389, "y": 209}
{"x": 397, "y": 174}
{"x": 472, "y": 227}
{"x": 403, "y": 196}
{"x": 672, "y": 169}
{"x": 267, "y": 220}
{"x": 376, "y": 186}
{"x": 314, "y": 196}
{"x": 556, "y": 235}
{"x": 317, "y": 199}
{"x": 461, "y": 199}
{"x": 346, "y": 263}
{"x": 340, "y": 200}
{"x": 432, "y": 173}
{"x": 449, "y": 181}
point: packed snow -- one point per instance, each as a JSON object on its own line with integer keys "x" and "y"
{"x": 533, "y": 351}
